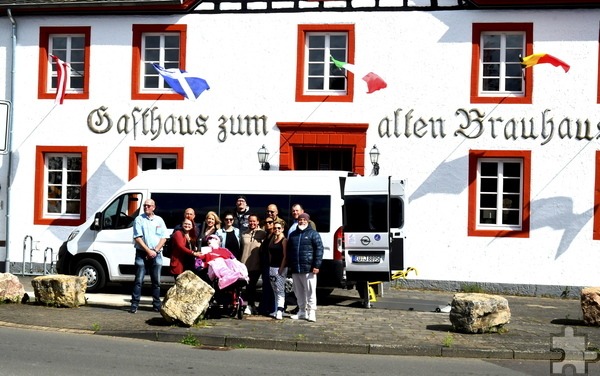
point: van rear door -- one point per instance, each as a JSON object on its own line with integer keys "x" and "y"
{"x": 373, "y": 227}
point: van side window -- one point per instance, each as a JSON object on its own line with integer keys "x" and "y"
{"x": 365, "y": 214}
{"x": 170, "y": 206}
{"x": 396, "y": 212}
{"x": 121, "y": 212}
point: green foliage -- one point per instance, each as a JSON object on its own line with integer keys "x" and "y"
{"x": 471, "y": 288}
{"x": 190, "y": 340}
{"x": 448, "y": 340}
{"x": 96, "y": 327}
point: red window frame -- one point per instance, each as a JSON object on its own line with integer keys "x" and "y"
{"x": 40, "y": 185}
{"x": 135, "y": 152}
{"x": 478, "y": 29}
{"x": 301, "y": 74}
{"x": 322, "y": 135}
{"x": 136, "y": 58}
{"x": 474, "y": 156}
{"x": 44, "y": 58}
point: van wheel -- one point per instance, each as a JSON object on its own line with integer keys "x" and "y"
{"x": 90, "y": 268}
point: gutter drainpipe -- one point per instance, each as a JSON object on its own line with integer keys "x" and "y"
{"x": 9, "y": 135}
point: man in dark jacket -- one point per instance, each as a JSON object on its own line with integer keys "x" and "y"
{"x": 304, "y": 257}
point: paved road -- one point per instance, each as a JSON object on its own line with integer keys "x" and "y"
{"x": 402, "y": 322}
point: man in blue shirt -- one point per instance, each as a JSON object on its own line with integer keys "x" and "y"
{"x": 149, "y": 235}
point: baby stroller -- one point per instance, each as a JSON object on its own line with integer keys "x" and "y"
{"x": 228, "y": 277}
{"x": 227, "y": 301}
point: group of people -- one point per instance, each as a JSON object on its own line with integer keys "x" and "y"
{"x": 269, "y": 249}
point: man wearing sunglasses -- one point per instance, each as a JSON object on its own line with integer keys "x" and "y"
{"x": 149, "y": 235}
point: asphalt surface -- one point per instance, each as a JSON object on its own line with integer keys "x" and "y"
{"x": 401, "y": 322}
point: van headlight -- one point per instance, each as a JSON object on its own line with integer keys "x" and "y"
{"x": 72, "y": 235}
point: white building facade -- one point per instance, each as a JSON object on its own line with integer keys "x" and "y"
{"x": 501, "y": 162}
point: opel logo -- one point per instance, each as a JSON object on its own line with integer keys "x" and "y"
{"x": 365, "y": 240}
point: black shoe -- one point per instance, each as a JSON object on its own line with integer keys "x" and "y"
{"x": 156, "y": 309}
{"x": 132, "y": 310}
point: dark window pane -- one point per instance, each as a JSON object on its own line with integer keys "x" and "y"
{"x": 489, "y": 185}
{"x": 169, "y": 163}
{"x": 54, "y": 177}
{"x": 54, "y": 191}
{"x": 487, "y": 216}
{"x": 491, "y": 56}
{"x": 514, "y": 84}
{"x": 510, "y": 217}
{"x": 316, "y": 41}
{"x": 172, "y": 41}
{"x": 510, "y": 201}
{"x": 315, "y": 83}
{"x": 489, "y": 169}
{"x": 73, "y": 193}
{"x": 337, "y": 41}
{"x": 512, "y": 185}
{"x": 491, "y": 70}
{"x": 491, "y": 84}
{"x": 514, "y": 41}
{"x": 149, "y": 164}
{"x": 316, "y": 55}
{"x": 74, "y": 178}
{"x": 55, "y": 163}
{"x": 491, "y": 41}
{"x": 488, "y": 200}
{"x": 337, "y": 83}
{"x": 152, "y": 55}
{"x": 512, "y": 169}
{"x": 152, "y": 41}
{"x": 73, "y": 207}
{"x": 316, "y": 69}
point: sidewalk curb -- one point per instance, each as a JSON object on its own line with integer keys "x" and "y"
{"x": 329, "y": 347}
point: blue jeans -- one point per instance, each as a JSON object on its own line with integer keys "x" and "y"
{"x": 142, "y": 267}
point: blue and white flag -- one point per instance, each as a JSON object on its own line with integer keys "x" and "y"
{"x": 182, "y": 82}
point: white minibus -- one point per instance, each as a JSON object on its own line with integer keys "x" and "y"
{"x": 102, "y": 248}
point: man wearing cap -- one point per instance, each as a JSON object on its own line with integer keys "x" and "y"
{"x": 304, "y": 257}
{"x": 242, "y": 212}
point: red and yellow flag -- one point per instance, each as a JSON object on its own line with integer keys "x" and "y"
{"x": 531, "y": 60}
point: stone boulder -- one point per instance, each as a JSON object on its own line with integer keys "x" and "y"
{"x": 187, "y": 300}
{"x": 60, "y": 290}
{"x": 11, "y": 289}
{"x": 590, "y": 305}
{"x": 479, "y": 313}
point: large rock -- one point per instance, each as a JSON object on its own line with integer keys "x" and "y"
{"x": 479, "y": 313}
{"x": 11, "y": 289}
{"x": 187, "y": 300}
{"x": 590, "y": 305}
{"x": 60, "y": 290}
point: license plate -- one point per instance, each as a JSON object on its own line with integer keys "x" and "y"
{"x": 366, "y": 259}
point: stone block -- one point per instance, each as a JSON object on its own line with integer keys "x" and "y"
{"x": 590, "y": 305}
{"x": 60, "y": 290}
{"x": 479, "y": 313}
{"x": 11, "y": 289}
{"x": 187, "y": 300}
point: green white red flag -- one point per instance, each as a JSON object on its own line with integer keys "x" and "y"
{"x": 374, "y": 82}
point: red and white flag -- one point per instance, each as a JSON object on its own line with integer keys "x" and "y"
{"x": 62, "y": 70}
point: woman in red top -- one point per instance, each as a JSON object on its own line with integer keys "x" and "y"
{"x": 184, "y": 249}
